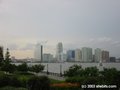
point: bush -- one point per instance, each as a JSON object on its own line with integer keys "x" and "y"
{"x": 39, "y": 83}
{"x": 9, "y": 81}
{"x": 22, "y": 67}
{"x": 37, "y": 68}
{"x": 8, "y": 68}
{"x": 75, "y": 79}
{"x": 12, "y": 88}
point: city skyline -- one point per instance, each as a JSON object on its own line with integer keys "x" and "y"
{"x": 76, "y": 24}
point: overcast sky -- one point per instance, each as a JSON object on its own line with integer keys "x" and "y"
{"x": 76, "y": 23}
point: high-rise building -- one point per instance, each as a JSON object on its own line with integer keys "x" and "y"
{"x": 87, "y": 55}
{"x": 112, "y": 59}
{"x": 59, "y": 51}
{"x": 71, "y": 55}
{"x": 78, "y": 55}
{"x": 47, "y": 57}
{"x": 38, "y": 53}
{"x": 105, "y": 56}
{"x": 98, "y": 55}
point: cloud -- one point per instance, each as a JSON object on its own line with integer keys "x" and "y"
{"x": 104, "y": 39}
{"x": 13, "y": 46}
{"x": 28, "y": 46}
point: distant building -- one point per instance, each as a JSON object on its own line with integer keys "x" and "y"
{"x": 112, "y": 59}
{"x": 98, "y": 55}
{"x": 71, "y": 55}
{"x": 38, "y": 53}
{"x": 78, "y": 55}
{"x": 47, "y": 57}
{"x": 105, "y": 56}
{"x": 64, "y": 57}
{"x": 59, "y": 52}
{"x": 87, "y": 55}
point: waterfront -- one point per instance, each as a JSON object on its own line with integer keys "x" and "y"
{"x": 55, "y": 67}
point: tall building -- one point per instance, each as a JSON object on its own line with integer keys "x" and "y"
{"x": 59, "y": 51}
{"x": 78, "y": 55}
{"x": 112, "y": 59}
{"x": 71, "y": 55}
{"x": 47, "y": 57}
{"x": 105, "y": 56}
{"x": 38, "y": 53}
{"x": 98, "y": 55}
{"x": 87, "y": 55}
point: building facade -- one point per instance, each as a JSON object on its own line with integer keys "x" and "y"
{"x": 105, "y": 56}
{"x": 78, "y": 55}
{"x": 98, "y": 55}
{"x": 59, "y": 52}
{"x": 87, "y": 55}
{"x": 71, "y": 55}
{"x": 47, "y": 57}
{"x": 38, "y": 53}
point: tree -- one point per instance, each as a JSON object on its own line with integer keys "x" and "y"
{"x": 39, "y": 83}
{"x": 1, "y": 55}
{"x": 91, "y": 72}
{"x": 37, "y": 68}
{"x": 22, "y": 67}
{"x": 74, "y": 70}
{"x": 7, "y": 66}
{"x": 7, "y": 57}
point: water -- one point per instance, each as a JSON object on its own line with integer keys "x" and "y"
{"x": 55, "y": 67}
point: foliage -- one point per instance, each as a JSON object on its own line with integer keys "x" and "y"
{"x": 9, "y": 81}
{"x": 37, "y": 68}
{"x": 8, "y": 68}
{"x": 39, "y": 83}
{"x": 1, "y": 55}
{"x": 91, "y": 75}
{"x": 22, "y": 67}
{"x": 52, "y": 81}
{"x": 12, "y": 88}
{"x": 7, "y": 57}
{"x": 75, "y": 68}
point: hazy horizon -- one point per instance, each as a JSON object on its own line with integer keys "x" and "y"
{"x": 75, "y": 23}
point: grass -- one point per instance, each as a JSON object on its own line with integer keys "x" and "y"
{"x": 12, "y": 88}
{"x": 52, "y": 81}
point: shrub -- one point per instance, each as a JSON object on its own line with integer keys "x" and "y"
{"x": 37, "y": 68}
{"x": 12, "y": 88}
{"x": 39, "y": 83}
{"x": 22, "y": 67}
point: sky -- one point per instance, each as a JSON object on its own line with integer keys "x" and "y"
{"x": 75, "y": 23}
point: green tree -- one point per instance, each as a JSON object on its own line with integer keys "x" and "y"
{"x": 73, "y": 71}
{"x": 1, "y": 55}
{"x": 39, "y": 83}
{"x": 7, "y": 66}
{"x": 91, "y": 72}
{"x": 10, "y": 68}
{"x": 7, "y": 57}
{"x": 22, "y": 67}
{"x": 37, "y": 68}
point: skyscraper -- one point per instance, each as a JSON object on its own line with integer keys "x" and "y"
{"x": 71, "y": 55}
{"x": 105, "y": 56}
{"x": 98, "y": 55}
{"x": 38, "y": 53}
{"x": 59, "y": 51}
{"x": 87, "y": 54}
{"x": 78, "y": 55}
